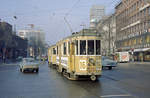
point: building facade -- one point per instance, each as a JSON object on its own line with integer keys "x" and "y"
{"x": 11, "y": 46}
{"x": 96, "y": 13}
{"x": 36, "y": 41}
{"x": 107, "y": 28}
{"x": 133, "y": 28}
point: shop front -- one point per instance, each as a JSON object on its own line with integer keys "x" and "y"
{"x": 142, "y": 54}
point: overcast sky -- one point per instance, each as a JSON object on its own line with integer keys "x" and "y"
{"x": 48, "y": 15}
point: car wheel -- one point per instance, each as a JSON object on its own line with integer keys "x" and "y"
{"x": 20, "y": 69}
{"x": 110, "y": 67}
{"x": 33, "y": 70}
{"x": 37, "y": 70}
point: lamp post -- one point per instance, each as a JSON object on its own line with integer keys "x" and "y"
{"x": 15, "y": 17}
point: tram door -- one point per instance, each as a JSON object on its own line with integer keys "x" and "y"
{"x": 72, "y": 57}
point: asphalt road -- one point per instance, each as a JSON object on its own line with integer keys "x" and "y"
{"x": 125, "y": 81}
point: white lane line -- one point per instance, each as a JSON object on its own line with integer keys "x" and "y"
{"x": 105, "y": 96}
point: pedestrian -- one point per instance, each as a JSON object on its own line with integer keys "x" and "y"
{"x": 4, "y": 59}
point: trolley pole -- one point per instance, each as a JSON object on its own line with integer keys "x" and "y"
{"x": 83, "y": 25}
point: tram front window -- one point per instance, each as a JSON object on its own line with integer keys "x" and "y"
{"x": 90, "y": 47}
{"x": 98, "y": 51}
{"x": 82, "y": 47}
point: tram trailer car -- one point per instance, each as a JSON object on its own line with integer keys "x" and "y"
{"x": 52, "y": 56}
{"x": 77, "y": 56}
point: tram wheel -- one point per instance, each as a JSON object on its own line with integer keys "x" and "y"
{"x": 93, "y": 77}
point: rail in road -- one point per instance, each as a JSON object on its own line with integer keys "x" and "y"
{"x": 119, "y": 93}
{"x": 132, "y": 77}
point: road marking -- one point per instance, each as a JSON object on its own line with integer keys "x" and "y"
{"x": 105, "y": 96}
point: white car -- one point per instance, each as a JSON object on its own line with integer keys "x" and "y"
{"x": 29, "y": 64}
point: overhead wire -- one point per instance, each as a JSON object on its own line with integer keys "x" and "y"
{"x": 66, "y": 20}
{"x": 71, "y": 8}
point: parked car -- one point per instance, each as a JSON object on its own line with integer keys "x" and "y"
{"x": 29, "y": 64}
{"x": 19, "y": 58}
{"x": 108, "y": 62}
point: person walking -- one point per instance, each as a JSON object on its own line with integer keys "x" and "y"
{"x": 4, "y": 59}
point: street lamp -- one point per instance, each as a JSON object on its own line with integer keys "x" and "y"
{"x": 15, "y": 17}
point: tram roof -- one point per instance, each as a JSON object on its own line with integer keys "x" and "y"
{"x": 52, "y": 46}
{"x": 85, "y": 32}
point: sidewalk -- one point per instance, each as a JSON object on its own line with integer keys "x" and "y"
{"x": 147, "y": 63}
{"x": 8, "y": 62}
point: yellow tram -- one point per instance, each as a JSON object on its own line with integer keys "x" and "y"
{"x": 78, "y": 55}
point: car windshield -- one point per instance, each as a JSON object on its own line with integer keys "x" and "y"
{"x": 106, "y": 57}
{"x": 28, "y": 60}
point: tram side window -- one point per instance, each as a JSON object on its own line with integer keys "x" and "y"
{"x": 98, "y": 47}
{"x": 64, "y": 48}
{"x": 57, "y": 50}
{"x": 68, "y": 47}
{"x": 77, "y": 47}
{"x": 82, "y": 47}
{"x": 90, "y": 47}
{"x": 54, "y": 51}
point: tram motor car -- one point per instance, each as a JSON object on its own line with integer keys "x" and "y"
{"x": 77, "y": 56}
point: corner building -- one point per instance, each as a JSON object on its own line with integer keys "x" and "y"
{"x": 133, "y": 28}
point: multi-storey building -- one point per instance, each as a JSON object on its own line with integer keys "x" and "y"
{"x": 96, "y": 13}
{"x": 133, "y": 28}
{"x": 107, "y": 28}
{"x": 36, "y": 40}
{"x": 38, "y": 34}
{"x": 11, "y": 46}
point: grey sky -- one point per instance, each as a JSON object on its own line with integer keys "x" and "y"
{"x": 49, "y": 14}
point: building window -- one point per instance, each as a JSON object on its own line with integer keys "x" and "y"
{"x": 141, "y": 14}
{"x": 148, "y": 10}
{"x": 144, "y": 12}
{"x": 148, "y": 24}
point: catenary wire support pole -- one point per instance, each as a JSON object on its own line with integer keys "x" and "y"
{"x": 109, "y": 37}
{"x": 15, "y": 17}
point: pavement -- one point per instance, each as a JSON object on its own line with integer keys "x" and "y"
{"x": 141, "y": 63}
{"x": 127, "y": 80}
{"x": 8, "y": 62}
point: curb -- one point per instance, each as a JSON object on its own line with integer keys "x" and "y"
{"x": 8, "y": 64}
{"x": 139, "y": 63}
